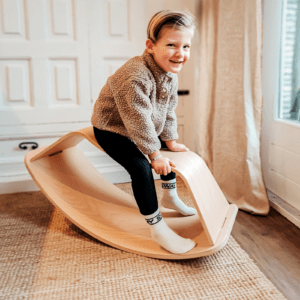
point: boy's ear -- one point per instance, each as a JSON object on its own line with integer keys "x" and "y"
{"x": 149, "y": 46}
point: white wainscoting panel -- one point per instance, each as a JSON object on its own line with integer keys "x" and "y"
{"x": 16, "y": 85}
{"x": 13, "y": 24}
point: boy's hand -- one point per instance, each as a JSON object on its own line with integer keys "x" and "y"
{"x": 162, "y": 166}
{"x": 173, "y": 146}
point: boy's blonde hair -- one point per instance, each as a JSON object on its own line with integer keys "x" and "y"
{"x": 177, "y": 20}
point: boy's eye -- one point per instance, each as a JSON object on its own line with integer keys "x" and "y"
{"x": 186, "y": 46}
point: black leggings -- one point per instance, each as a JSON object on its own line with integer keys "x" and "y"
{"x": 126, "y": 153}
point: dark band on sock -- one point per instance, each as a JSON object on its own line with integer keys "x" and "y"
{"x": 154, "y": 220}
{"x": 169, "y": 185}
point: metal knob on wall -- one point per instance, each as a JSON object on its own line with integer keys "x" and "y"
{"x": 23, "y": 145}
{"x": 183, "y": 92}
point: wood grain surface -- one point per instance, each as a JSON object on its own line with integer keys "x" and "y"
{"x": 72, "y": 184}
{"x": 273, "y": 243}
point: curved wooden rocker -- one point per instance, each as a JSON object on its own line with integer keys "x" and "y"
{"x": 85, "y": 197}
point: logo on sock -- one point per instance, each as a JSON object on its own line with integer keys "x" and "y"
{"x": 169, "y": 185}
{"x": 155, "y": 219}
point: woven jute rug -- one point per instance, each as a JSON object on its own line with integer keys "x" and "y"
{"x": 45, "y": 256}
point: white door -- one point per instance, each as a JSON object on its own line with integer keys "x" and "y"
{"x": 44, "y": 70}
{"x": 55, "y": 56}
{"x": 280, "y": 140}
{"x": 117, "y": 33}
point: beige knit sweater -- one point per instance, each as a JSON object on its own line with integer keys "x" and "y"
{"x": 139, "y": 102}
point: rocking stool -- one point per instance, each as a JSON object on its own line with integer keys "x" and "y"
{"x": 98, "y": 207}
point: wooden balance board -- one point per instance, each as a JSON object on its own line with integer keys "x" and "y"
{"x": 86, "y": 198}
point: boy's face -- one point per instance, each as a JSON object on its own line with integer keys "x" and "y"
{"x": 172, "y": 50}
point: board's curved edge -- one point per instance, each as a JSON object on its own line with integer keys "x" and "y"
{"x": 182, "y": 176}
{"x": 88, "y": 133}
{"x": 71, "y": 139}
{"x": 59, "y": 145}
{"x": 181, "y": 172}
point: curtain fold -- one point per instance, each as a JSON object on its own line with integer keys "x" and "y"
{"x": 229, "y": 105}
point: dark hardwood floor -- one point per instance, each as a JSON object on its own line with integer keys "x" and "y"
{"x": 273, "y": 243}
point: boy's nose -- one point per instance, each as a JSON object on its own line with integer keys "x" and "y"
{"x": 179, "y": 53}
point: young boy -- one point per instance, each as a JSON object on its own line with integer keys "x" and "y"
{"x": 134, "y": 116}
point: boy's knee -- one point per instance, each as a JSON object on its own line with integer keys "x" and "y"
{"x": 141, "y": 167}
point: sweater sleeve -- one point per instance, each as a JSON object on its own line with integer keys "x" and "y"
{"x": 169, "y": 132}
{"x": 132, "y": 97}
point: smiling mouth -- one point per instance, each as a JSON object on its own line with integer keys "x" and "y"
{"x": 176, "y": 62}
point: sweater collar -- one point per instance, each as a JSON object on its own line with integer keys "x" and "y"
{"x": 156, "y": 70}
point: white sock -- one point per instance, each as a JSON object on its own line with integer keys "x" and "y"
{"x": 166, "y": 237}
{"x": 171, "y": 200}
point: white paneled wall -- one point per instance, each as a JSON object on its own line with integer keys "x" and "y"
{"x": 55, "y": 56}
{"x": 44, "y": 63}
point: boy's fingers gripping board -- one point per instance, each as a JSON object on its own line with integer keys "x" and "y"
{"x": 74, "y": 185}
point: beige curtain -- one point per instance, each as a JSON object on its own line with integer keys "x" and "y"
{"x": 229, "y": 105}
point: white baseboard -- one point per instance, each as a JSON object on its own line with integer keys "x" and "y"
{"x": 22, "y": 184}
{"x": 15, "y": 178}
{"x": 285, "y": 209}
{"x": 25, "y": 183}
